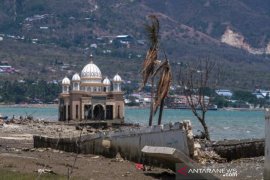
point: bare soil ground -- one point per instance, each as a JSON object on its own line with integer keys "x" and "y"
{"x": 18, "y": 155}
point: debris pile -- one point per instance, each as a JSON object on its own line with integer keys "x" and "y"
{"x": 21, "y": 120}
{"x": 190, "y": 138}
{"x": 1, "y": 122}
{"x": 205, "y": 154}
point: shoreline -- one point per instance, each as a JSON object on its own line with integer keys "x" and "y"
{"x": 28, "y": 105}
{"x": 127, "y": 107}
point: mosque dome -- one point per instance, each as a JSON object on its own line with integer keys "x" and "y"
{"x": 66, "y": 81}
{"x": 117, "y": 78}
{"x": 76, "y": 77}
{"x": 106, "y": 81}
{"x": 91, "y": 71}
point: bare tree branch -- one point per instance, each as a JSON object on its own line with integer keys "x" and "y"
{"x": 194, "y": 79}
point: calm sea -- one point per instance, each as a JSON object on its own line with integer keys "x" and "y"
{"x": 222, "y": 124}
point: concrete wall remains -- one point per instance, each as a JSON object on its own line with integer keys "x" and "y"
{"x": 126, "y": 141}
{"x": 236, "y": 149}
{"x": 267, "y": 145}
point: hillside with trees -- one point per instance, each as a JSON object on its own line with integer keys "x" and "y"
{"x": 47, "y": 39}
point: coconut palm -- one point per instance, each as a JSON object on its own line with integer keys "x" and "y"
{"x": 163, "y": 87}
{"x": 151, "y": 67}
{"x": 151, "y": 59}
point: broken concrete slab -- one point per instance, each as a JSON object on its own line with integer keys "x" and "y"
{"x": 169, "y": 157}
{"x": 166, "y": 154}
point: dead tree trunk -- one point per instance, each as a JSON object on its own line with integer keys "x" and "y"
{"x": 204, "y": 125}
{"x": 152, "y": 102}
{"x": 194, "y": 78}
{"x": 160, "y": 111}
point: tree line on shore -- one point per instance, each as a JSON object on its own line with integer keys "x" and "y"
{"x": 28, "y": 91}
{"x": 33, "y": 91}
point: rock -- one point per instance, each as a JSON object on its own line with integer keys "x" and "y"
{"x": 106, "y": 143}
{"x": 40, "y": 171}
{"x": 197, "y": 145}
{"x": 25, "y": 149}
{"x": 126, "y": 174}
{"x": 12, "y": 149}
{"x": 119, "y": 158}
{"x": 95, "y": 157}
{"x": 79, "y": 128}
{"x": 15, "y": 121}
{"x": 2, "y": 122}
{"x": 91, "y": 130}
{"x": 147, "y": 168}
{"x": 41, "y": 150}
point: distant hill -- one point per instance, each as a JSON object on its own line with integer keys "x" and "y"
{"x": 39, "y": 32}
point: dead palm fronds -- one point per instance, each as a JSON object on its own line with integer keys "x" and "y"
{"x": 151, "y": 59}
{"x": 148, "y": 65}
{"x": 153, "y": 32}
{"x": 163, "y": 84}
{"x": 151, "y": 66}
{"x": 151, "y": 56}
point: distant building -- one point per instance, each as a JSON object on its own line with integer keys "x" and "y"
{"x": 65, "y": 67}
{"x": 124, "y": 39}
{"x": 91, "y": 96}
{"x": 94, "y": 45}
{"x": 224, "y": 92}
{"x": 265, "y": 93}
{"x": 181, "y": 102}
{"x": 44, "y": 27}
{"x": 7, "y": 69}
{"x": 259, "y": 93}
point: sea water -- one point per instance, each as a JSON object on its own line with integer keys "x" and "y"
{"x": 222, "y": 124}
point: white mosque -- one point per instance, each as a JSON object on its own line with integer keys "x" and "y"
{"x": 91, "y": 97}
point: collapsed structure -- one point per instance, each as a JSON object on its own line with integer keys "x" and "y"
{"x": 91, "y": 97}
